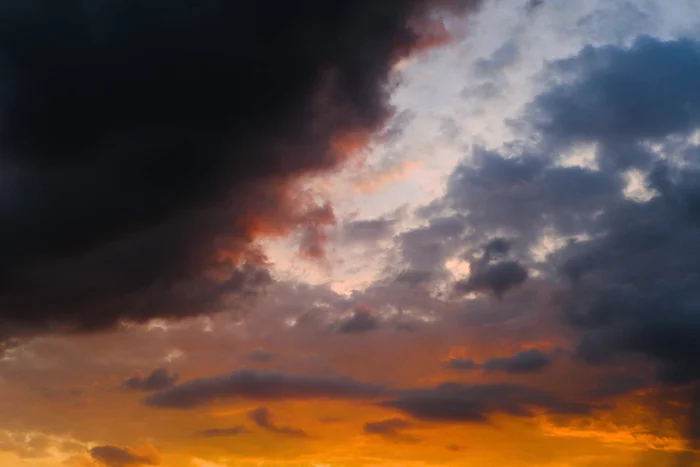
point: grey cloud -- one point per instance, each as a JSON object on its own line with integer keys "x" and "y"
{"x": 626, "y": 270}
{"x": 490, "y": 273}
{"x": 222, "y": 432}
{"x": 262, "y": 386}
{"x": 363, "y": 320}
{"x": 259, "y": 356}
{"x": 391, "y": 429}
{"x": 497, "y": 278}
{"x": 617, "y": 385}
{"x": 414, "y": 277}
{"x": 645, "y": 92}
{"x": 158, "y": 379}
{"x": 523, "y": 195}
{"x": 263, "y": 418}
{"x": 368, "y": 230}
{"x": 426, "y": 248}
{"x": 527, "y": 361}
{"x": 453, "y": 402}
{"x": 462, "y": 364}
{"x": 114, "y": 456}
{"x": 505, "y": 56}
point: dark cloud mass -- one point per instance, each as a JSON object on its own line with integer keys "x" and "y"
{"x": 453, "y": 402}
{"x": 527, "y": 361}
{"x": 158, "y": 379}
{"x": 260, "y": 385}
{"x": 625, "y": 269}
{"x": 144, "y": 145}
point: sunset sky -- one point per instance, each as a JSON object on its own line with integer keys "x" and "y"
{"x": 356, "y": 233}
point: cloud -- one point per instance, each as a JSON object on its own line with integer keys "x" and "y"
{"x": 259, "y": 356}
{"x": 623, "y": 269}
{"x": 371, "y": 230}
{"x": 261, "y": 386}
{"x": 646, "y": 91}
{"x": 390, "y": 428}
{"x": 505, "y": 56}
{"x": 181, "y": 141}
{"x": 363, "y": 319}
{"x": 618, "y": 385}
{"x": 263, "y": 418}
{"x": 114, "y": 456}
{"x": 462, "y": 364}
{"x": 527, "y": 361}
{"x": 454, "y": 402}
{"x": 491, "y": 274}
{"x": 222, "y": 432}
{"x": 158, "y": 379}
{"x": 26, "y": 446}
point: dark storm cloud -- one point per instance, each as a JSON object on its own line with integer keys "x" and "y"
{"x": 612, "y": 386}
{"x": 144, "y": 145}
{"x": 634, "y": 285}
{"x": 263, "y": 418}
{"x": 636, "y": 289}
{"x": 260, "y": 385}
{"x": 158, "y": 379}
{"x": 453, "y": 402}
{"x": 114, "y": 456}
{"x": 222, "y": 432}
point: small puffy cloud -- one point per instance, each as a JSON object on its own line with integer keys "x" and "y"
{"x": 492, "y": 274}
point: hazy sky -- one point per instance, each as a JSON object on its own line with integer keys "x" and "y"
{"x": 300, "y": 234}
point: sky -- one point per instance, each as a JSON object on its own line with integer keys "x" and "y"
{"x": 407, "y": 233}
